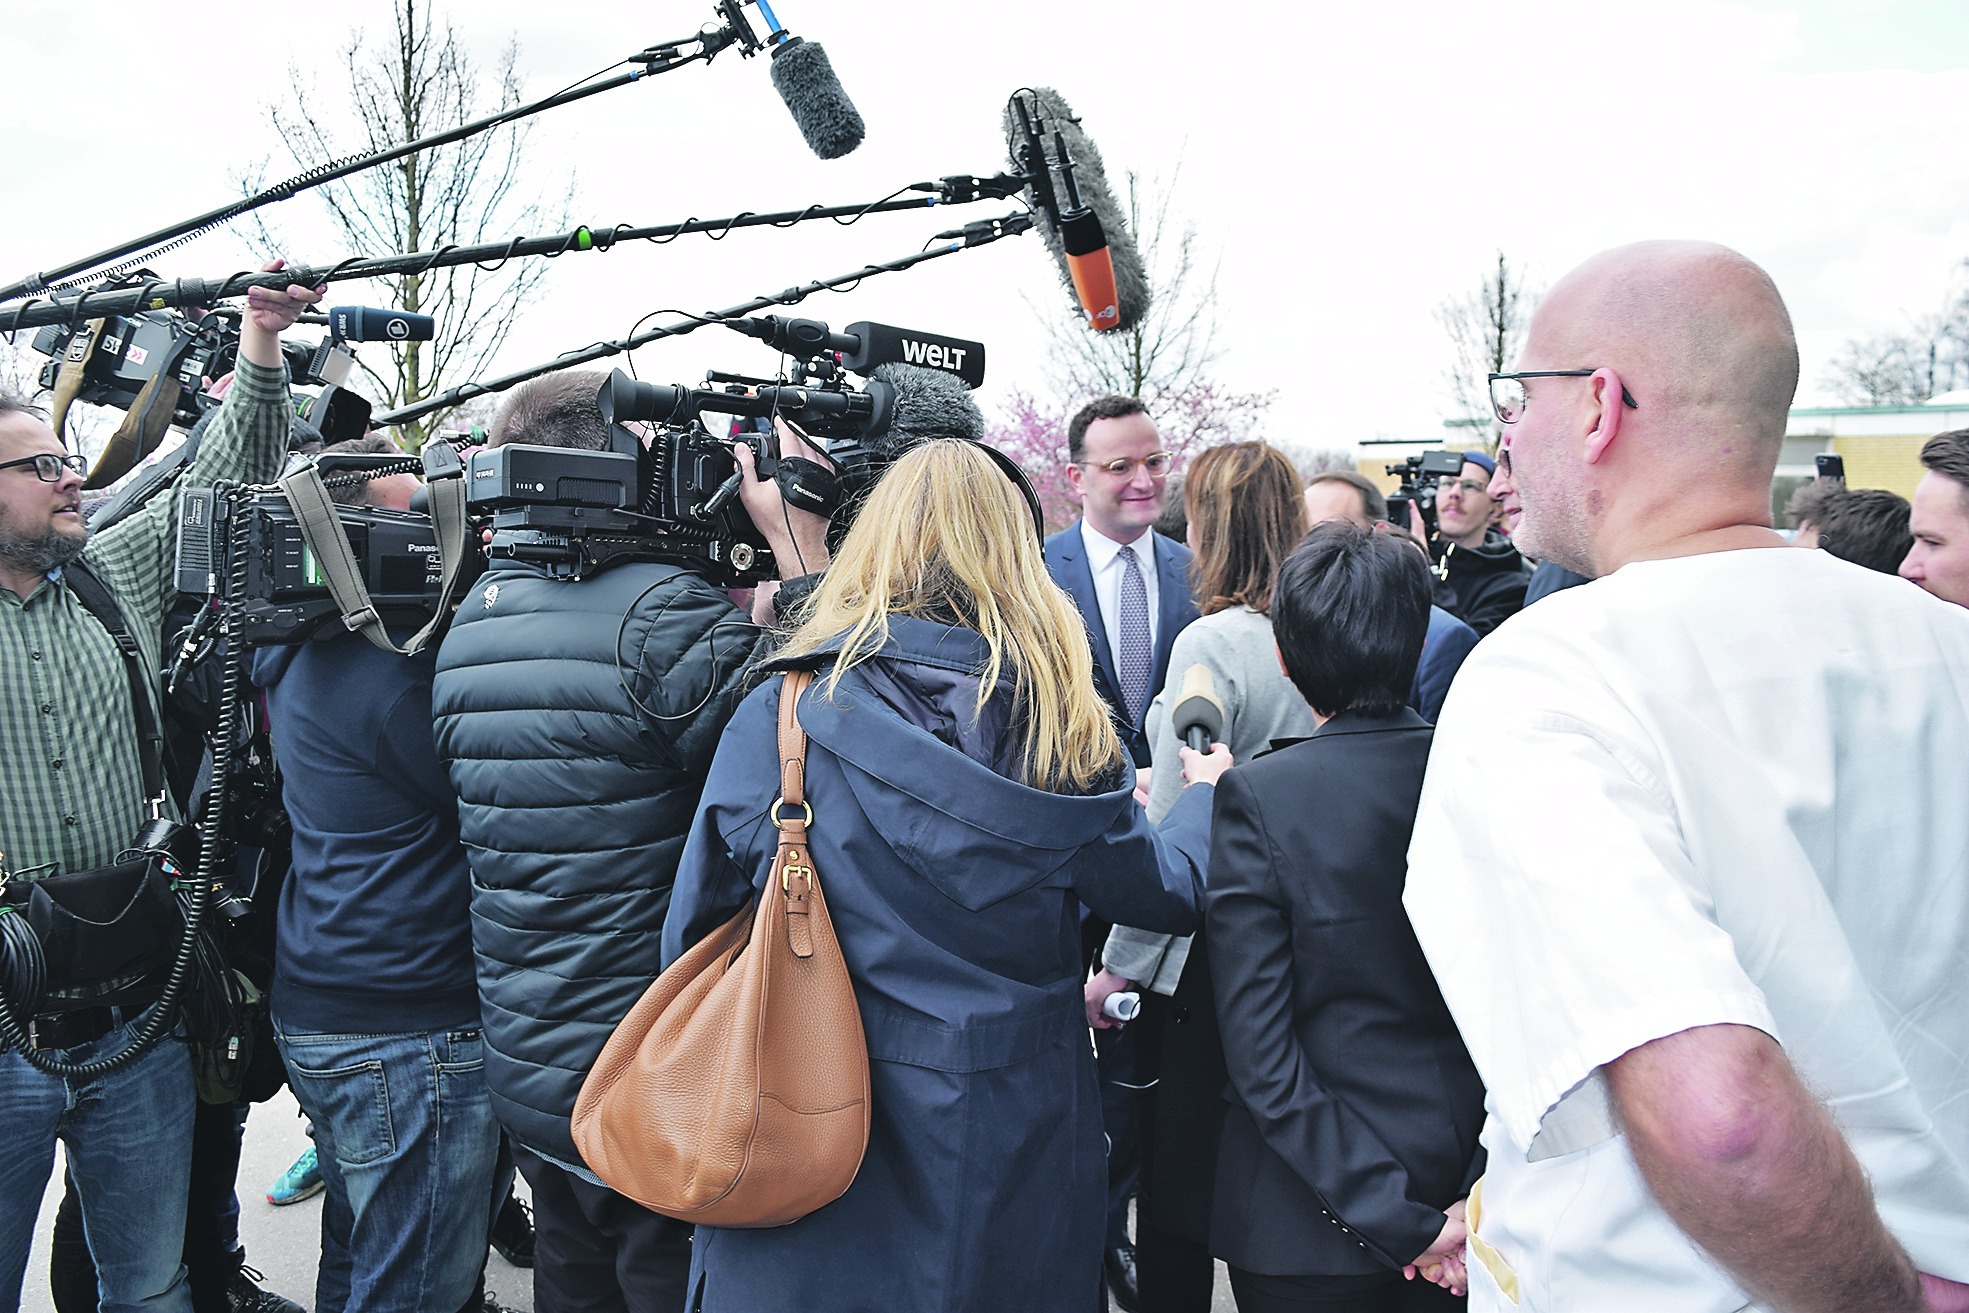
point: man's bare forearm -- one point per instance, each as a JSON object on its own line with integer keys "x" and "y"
{"x": 1754, "y": 1170}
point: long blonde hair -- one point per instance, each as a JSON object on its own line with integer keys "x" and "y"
{"x": 945, "y": 536}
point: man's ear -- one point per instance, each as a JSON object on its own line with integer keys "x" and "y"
{"x": 1075, "y": 480}
{"x": 1607, "y": 415}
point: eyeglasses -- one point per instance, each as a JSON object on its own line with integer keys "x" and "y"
{"x": 48, "y": 467}
{"x": 1468, "y": 487}
{"x": 1123, "y": 467}
{"x": 1507, "y": 394}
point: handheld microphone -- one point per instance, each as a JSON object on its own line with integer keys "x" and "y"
{"x": 1122, "y": 1006}
{"x": 1079, "y": 220}
{"x": 821, "y": 109}
{"x": 361, "y": 323}
{"x": 1197, "y": 717}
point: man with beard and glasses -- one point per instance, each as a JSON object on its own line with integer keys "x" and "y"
{"x": 75, "y": 796}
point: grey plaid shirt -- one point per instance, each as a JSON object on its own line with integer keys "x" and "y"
{"x": 71, "y": 787}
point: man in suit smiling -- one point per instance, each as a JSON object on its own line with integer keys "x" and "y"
{"x": 1112, "y": 562}
{"x": 1132, "y": 587}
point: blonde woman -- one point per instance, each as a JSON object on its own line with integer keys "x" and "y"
{"x": 969, "y": 793}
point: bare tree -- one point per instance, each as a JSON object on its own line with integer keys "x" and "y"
{"x": 1905, "y": 369}
{"x": 1166, "y": 357}
{"x": 1486, "y": 330}
{"x": 466, "y": 193}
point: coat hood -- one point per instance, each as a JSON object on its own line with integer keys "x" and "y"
{"x": 933, "y": 777}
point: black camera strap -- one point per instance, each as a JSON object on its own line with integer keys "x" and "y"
{"x": 98, "y": 601}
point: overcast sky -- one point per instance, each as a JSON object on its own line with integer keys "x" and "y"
{"x": 1351, "y": 165}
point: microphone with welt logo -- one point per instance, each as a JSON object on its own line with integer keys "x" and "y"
{"x": 863, "y": 346}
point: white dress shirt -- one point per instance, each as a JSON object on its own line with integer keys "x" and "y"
{"x": 1727, "y": 788}
{"x": 1104, "y": 560}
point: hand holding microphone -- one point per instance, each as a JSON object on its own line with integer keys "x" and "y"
{"x": 1198, "y": 719}
{"x": 1110, "y": 1000}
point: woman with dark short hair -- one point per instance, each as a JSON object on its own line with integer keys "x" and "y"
{"x": 1353, "y": 1135}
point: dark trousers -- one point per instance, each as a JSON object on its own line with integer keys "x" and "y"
{"x": 597, "y": 1252}
{"x": 212, "y": 1252}
{"x": 1179, "y": 1118}
{"x": 1369, "y": 1294}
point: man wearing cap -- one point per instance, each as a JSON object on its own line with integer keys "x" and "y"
{"x": 1480, "y": 578}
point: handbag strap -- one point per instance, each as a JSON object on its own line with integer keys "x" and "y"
{"x": 793, "y": 863}
{"x": 97, "y": 600}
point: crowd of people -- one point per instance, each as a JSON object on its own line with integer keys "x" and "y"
{"x": 1563, "y": 906}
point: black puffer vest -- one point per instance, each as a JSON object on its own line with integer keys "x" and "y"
{"x": 577, "y": 721}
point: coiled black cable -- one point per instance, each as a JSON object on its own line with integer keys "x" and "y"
{"x": 160, "y": 1016}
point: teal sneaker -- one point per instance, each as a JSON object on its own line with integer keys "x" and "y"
{"x": 301, "y": 1181}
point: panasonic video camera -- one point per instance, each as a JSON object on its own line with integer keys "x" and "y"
{"x": 673, "y": 495}
{"x": 244, "y": 544}
{"x": 1418, "y": 486}
{"x": 127, "y": 351}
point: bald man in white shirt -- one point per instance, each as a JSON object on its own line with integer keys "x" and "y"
{"x": 1691, "y": 864}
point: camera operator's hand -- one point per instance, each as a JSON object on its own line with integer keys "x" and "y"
{"x": 798, "y": 537}
{"x": 268, "y": 314}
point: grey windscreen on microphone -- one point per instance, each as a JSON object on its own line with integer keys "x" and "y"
{"x": 924, "y": 404}
{"x": 805, "y": 81}
{"x": 1131, "y": 280}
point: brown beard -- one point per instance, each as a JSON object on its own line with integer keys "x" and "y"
{"x": 42, "y": 552}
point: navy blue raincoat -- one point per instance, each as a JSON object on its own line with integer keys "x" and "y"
{"x": 955, "y": 893}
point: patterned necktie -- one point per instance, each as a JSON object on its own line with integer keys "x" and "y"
{"x": 1137, "y": 654}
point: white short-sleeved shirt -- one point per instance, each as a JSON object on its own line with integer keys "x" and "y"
{"x": 1730, "y": 788}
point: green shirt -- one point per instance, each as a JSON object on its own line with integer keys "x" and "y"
{"x": 71, "y": 786}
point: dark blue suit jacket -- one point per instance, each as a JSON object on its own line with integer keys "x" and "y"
{"x": 1066, "y": 561}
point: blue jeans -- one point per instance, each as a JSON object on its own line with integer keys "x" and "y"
{"x": 128, "y": 1136}
{"x": 406, "y": 1138}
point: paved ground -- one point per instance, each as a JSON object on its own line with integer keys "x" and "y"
{"x": 284, "y": 1243}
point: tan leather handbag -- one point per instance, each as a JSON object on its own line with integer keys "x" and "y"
{"x": 735, "y": 1093}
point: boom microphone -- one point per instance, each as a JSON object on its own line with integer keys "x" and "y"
{"x": 821, "y": 109}
{"x": 1081, "y": 224}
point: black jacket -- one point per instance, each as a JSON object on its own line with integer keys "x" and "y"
{"x": 1356, "y": 1107}
{"x": 1482, "y": 587}
{"x": 578, "y": 722}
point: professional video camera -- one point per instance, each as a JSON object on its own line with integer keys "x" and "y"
{"x": 674, "y": 496}
{"x": 248, "y": 546}
{"x": 1418, "y": 487}
{"x": 120, "y": 354}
